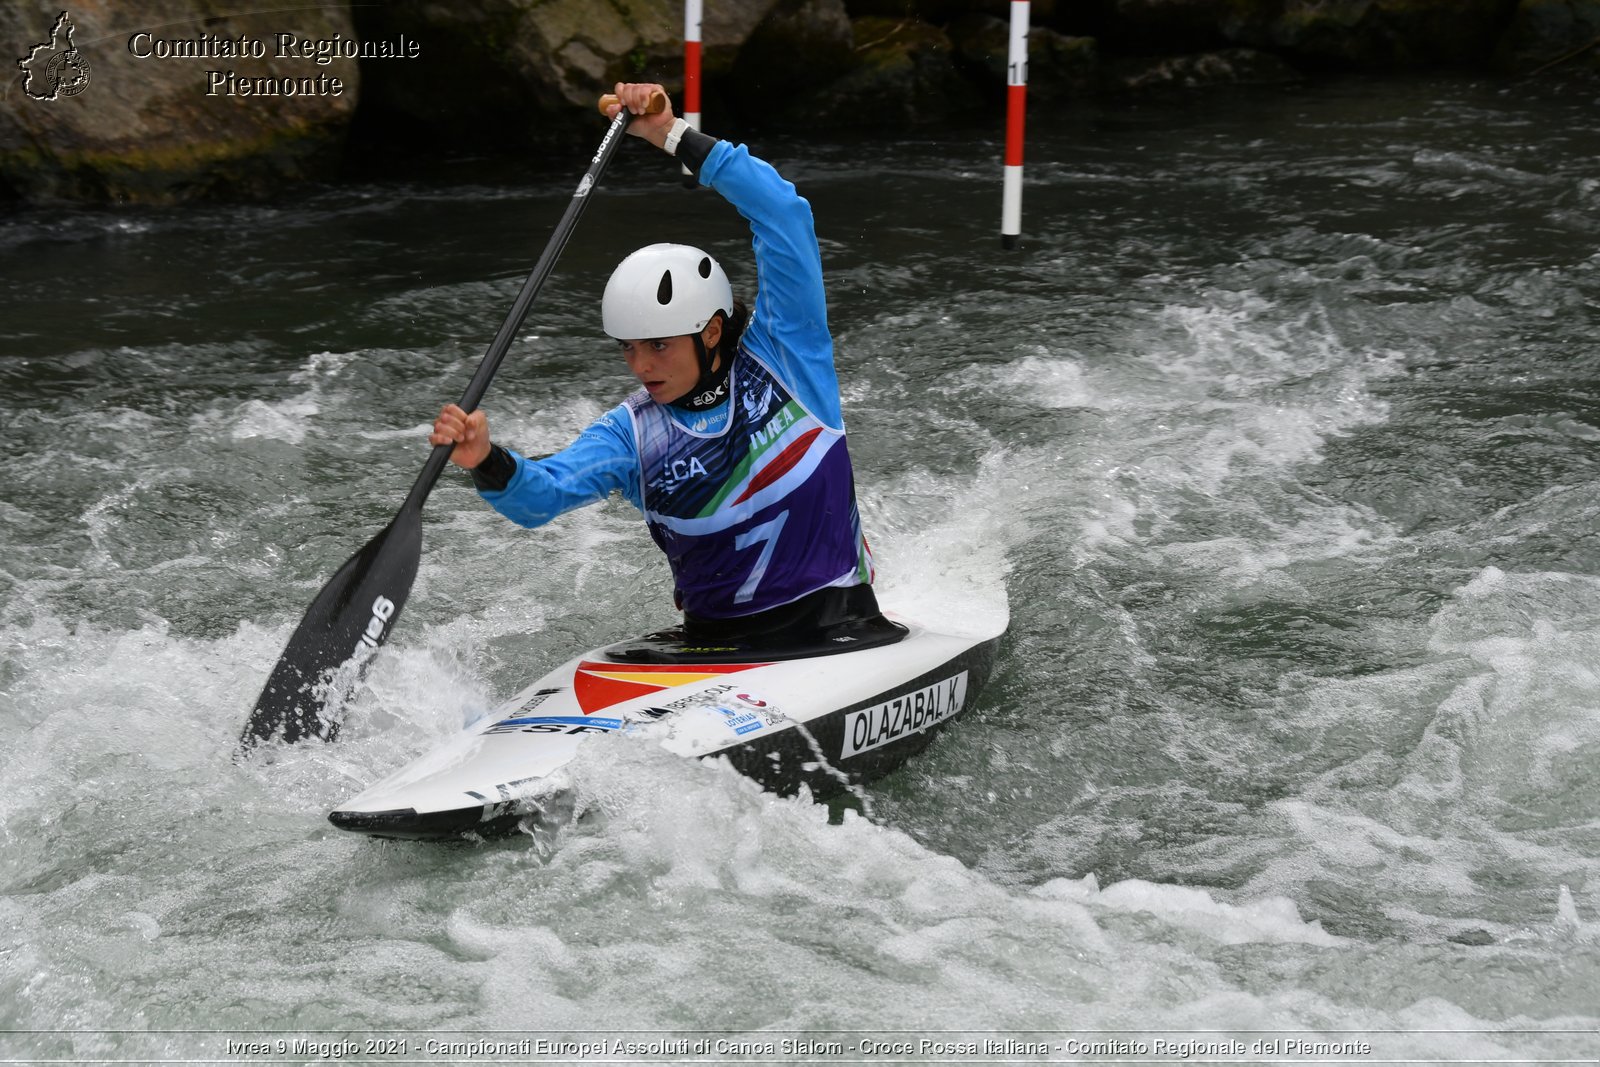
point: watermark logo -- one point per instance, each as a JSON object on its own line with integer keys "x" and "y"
{"x": 55, "y": 69}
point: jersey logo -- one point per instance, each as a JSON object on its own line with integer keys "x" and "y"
{"x": 782, "y": 419}
{"x": 676, "y": 474}
{"x": 754, "y": 406}
{"x": 710, "y": 396}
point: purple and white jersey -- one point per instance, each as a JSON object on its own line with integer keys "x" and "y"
{"x": 754, "y": 515}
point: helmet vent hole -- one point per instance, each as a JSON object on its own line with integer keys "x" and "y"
{"x": 664, "y": 290}
{"x": 705, "y": 267}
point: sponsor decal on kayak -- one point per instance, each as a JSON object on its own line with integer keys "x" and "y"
{"x": 903, "y": 716}
{"x": 700, "y": 698}
{"x": 745, "y": 721}
{"x": 600, "y": 685}
{"x": 554, "y": 724}
{"x": 755, "y": 714}
{"x": 538, "y": 697}
{"x": 703, "y": 697}
{"x": 507, "y": 803}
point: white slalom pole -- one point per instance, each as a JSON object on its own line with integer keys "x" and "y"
{"x": 1016, "y": 108}
{"x": 691, "y": 68}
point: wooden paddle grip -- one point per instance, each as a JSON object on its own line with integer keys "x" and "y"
{"x": 658, "y": 103}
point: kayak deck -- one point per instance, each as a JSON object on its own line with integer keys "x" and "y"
{"x": 824, "y": 718}
{"x": 671, "y": 646}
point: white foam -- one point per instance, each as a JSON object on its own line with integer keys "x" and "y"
{"x": 947, "y": 573}
{"x": 1470, "y": 165}
{"x": 321, "y": 366}
{"x": 1269, "y": 920}
{"x": 1045, "y": 378}
{"x": 614, "y": 919}
{"x": 1571, "y": 924}
{"x": 280, "y": 420}
{"x": 290, "y": 418}
{"x": 1351, "y": 841}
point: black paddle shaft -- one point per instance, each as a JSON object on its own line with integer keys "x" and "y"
{"x": 358, "y": 608}
{"x": 519, "y": 308}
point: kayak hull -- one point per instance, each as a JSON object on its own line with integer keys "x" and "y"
{"x": 825, "y": 720}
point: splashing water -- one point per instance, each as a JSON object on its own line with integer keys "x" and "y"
{"x": 1276, "y": 442}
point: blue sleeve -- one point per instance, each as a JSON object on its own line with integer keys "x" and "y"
{"x": 788, "y": 327}
{"x": 602, "y": 459}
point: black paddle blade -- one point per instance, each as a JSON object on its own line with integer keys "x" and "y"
{"x": 304, "y": 696}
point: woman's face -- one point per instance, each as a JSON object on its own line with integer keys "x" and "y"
{"x": 667, "y": 366}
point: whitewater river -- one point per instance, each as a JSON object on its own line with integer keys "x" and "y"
{"x": 1279, "y": 438}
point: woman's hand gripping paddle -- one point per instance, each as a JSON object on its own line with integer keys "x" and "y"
{"x": 358, "y": 608}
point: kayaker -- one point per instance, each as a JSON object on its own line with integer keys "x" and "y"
{"x": 734, "y": 447}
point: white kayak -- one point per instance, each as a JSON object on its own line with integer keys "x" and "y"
{"x": 824, "y": 716}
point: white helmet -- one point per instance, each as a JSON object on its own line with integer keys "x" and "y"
{"x": 664, "y": 291}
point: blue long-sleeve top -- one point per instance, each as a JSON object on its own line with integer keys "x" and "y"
{"x": 788, "y": 331}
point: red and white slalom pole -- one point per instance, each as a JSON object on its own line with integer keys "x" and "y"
{"x": 1016, "y": 108}
{"x": 691, "y": 68}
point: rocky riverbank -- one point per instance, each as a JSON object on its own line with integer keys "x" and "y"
{"x": 195, "y": 101}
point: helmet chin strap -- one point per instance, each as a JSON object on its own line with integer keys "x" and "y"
{"x": 712, "y": 388}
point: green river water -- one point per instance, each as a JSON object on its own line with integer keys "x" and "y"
{"x": 1279, "y": 439}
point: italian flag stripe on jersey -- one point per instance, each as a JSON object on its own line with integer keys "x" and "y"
{"x": 792, "y": 412}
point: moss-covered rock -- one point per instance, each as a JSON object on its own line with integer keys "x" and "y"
{"x": 1390, "y": 34}
{"x": 980, "y": 44}
{"x": 1336, "y": 34}
{"x": 1146, "y": 26}
{"x": 115, "y": 109}
{"x": 941, "y": 12}
{"x": 801, "y": 47}
{"x": 1228, "y": 66}
{"x": 502, "y": 74}
{"x": 1552, "y": 37}
{"x": 905, "y": 73}
{"x": 1059, "y": 66}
